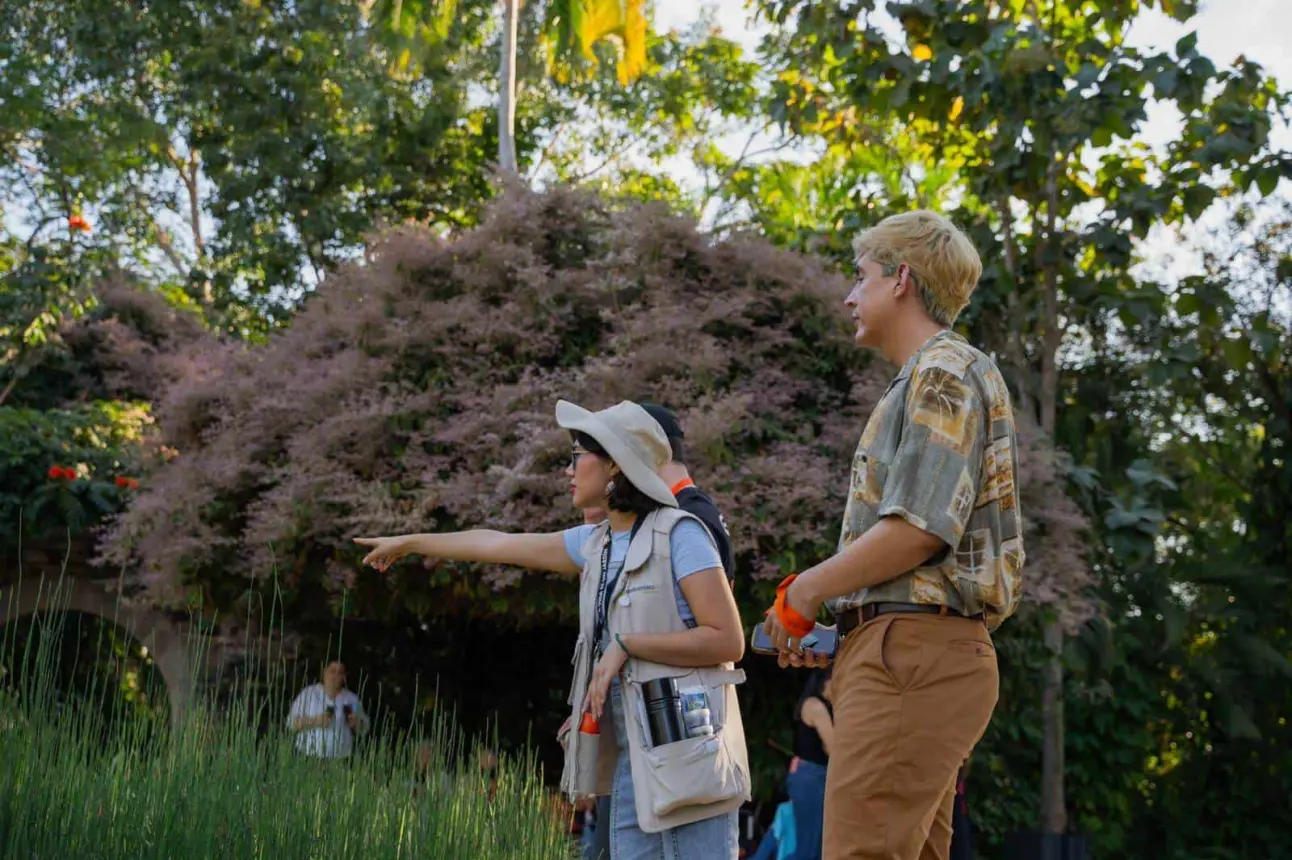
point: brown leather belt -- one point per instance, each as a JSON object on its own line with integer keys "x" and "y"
{"x": 853, "y": 618}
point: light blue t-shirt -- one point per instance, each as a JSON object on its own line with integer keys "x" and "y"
{"x": 690, "y": 548}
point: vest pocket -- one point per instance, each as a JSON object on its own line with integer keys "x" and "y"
{"x": 691, "y": 772}
{"x": 688, "y": 773}
{"x": 577, "y": 660}
{"x": 585, "y": 763}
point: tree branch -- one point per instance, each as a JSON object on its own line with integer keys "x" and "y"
{"x": 168, "y": 248}
{"x": 8, "y": 389}
{"x": 31, "y": 240}
{"x": 745, "y": 154}
{"x": 187, "y": 168}
{"x": 613, "y": 156}
{"x": 547, "y": 150}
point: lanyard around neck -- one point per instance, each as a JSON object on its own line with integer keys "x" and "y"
{"x": 605, "y": 586}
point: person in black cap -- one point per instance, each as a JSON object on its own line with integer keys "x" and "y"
{"x": 691, "y": 498}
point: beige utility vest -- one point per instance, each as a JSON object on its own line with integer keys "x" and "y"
{"x": 677, "y": 783}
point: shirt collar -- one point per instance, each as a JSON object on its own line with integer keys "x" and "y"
{"x": 911, "y": 362}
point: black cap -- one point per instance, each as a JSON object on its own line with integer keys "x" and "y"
{"x": 666, "y": 419}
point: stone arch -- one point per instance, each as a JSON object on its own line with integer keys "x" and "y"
{"x": 165, "y": 640}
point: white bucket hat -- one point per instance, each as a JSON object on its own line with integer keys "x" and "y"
{"x": 632, "y": 438}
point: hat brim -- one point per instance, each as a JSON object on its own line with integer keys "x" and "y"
{"x": 644, "y": 478}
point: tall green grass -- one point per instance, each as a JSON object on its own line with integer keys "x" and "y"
{"x": 215, "y": 787}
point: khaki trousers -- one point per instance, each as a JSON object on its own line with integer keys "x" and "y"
{"x": 912, "y": 695}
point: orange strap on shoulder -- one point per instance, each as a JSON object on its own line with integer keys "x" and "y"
{"x": 791, "y": 619}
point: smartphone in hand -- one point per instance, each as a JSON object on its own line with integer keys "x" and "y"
{"x": 822, "y": 640}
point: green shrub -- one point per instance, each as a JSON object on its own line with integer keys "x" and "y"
{"x": 212, "y": 787}
{"x": 65, "y": 469}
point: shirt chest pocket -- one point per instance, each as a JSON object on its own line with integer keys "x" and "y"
{"x": 637, "y": 606}
{"x": 869, "y": 475}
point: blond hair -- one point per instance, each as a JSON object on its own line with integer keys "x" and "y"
{"x": 942, "y": 260}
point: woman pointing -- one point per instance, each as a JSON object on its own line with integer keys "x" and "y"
{"x": 659, "y": 633}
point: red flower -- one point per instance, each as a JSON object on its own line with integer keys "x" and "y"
{"x": 76, "y": 221}
{"x": 126, "y": 483}
{"x": 58, "y": 473}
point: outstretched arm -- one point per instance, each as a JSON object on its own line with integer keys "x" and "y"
{"x": 534, "y": 551}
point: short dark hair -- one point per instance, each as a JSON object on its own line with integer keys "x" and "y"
{"x": 667, "y": 421}
{"x": 625, "y": 498}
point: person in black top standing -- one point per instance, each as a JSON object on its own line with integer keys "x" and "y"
{"x": 805, "y": 783}
{"x": 691, "y": 498}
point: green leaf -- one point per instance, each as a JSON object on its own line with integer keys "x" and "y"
{"x": 1165, "y": 82}
{"x": 1267, "y": 181}
{"x": 1197, "y": 198}
{"x": 1087, "y": 75}
{"x": 1143, "y": 474}
{"x": 1187, "y": 46}
{"x": 1238, "y": 352}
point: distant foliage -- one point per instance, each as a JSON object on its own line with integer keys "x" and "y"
{"x": 75, "y": 426}
{"x": 416, "y": 391}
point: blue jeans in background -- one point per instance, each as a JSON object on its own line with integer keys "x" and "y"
{"x": 805, "y": 785}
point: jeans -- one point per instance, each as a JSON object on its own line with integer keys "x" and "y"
{"x": 961, "y": 832}
{"x": 597, "y": 847}
{"x": 713, "y": 838}
{"x": 806, "y": 787}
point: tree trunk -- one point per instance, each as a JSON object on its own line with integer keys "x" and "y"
{"x": 1054, "y": 814}
{"x": 1053, "y": 792}
{"x": 507, "y": 86}
{"x": 1014, "y": 321}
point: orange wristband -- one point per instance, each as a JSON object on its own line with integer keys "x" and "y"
{"x": 791, "y": 619}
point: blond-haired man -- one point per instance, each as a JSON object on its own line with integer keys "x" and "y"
{"x": 929, "y": 558}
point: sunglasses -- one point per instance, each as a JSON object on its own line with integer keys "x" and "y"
{"x": 575, "y": 454}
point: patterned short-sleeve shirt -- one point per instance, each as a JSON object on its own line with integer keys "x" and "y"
{"x": 940, "y": 451}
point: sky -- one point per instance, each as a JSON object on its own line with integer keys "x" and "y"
{"x": 1260, "y": 30}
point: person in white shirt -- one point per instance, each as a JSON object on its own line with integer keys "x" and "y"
{"x": 326, "y": 716}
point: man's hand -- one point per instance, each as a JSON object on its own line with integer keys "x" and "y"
{"x": 318, "y": 721}
{"x": 801, "y": 599}
{"x": 352, "y": 720}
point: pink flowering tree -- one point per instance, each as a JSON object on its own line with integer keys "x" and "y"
{"x": 414, "y": 391}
